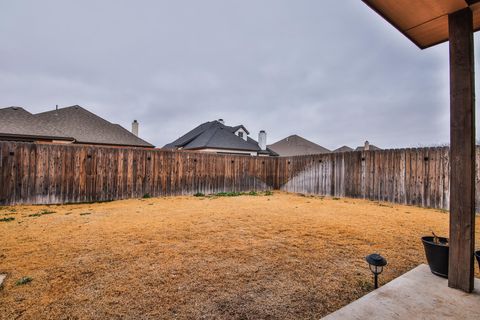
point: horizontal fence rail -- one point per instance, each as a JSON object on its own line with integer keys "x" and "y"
{"x": 49, "y": 174}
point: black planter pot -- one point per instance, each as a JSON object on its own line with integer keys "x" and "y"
{"x": 477, "y": 255}
{"x": 437, "y": 255}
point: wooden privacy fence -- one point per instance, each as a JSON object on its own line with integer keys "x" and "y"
{"x": 408, "y": 176}
{"x": 41, "y": 173}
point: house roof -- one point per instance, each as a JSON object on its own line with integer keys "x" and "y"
{"x": 343, "y": 149}
{"x": 235, "y": 129}
{"x": 370, "y": 148}
{"x": 425, "y": 22}
{"x": 71, "y": 123}
{"x": 216, "y": 135}
{"x": 87, "y": 127}
{"x": 16, "y": 121}
{"x": 295, "y": 145}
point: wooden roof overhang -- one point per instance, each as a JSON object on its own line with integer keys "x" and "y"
{"x": 424, "y": 22}
{"x": 427, "y": 23}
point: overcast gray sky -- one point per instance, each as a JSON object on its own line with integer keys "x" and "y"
{"x": 331, "y": 71}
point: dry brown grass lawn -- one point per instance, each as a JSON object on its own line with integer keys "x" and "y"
{"x": 250, "y": 257}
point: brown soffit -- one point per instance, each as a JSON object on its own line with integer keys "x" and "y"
{"x": 424, "y": 22}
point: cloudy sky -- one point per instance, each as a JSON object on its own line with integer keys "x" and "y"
{"x": 331, "y": 71}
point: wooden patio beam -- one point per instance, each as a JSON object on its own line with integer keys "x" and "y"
{"x": 462, "y": 148}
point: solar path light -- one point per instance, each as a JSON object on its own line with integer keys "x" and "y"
{"x": 376, "y": 263}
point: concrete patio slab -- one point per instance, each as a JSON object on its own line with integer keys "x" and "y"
{"x": 418, "y": 294}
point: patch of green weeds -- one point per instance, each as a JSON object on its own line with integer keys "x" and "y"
{"x": 146, "y": 196}
{"x": 7, "y": 219}
{"x": 34, "y": 215}
{"x": 199, "y": 194}
{"x": 228, "y": 194}
{"x": 236, "y": 194}
{"x": 23, "y": 280}
{"x": 85, "y": 213}
{"x": 41, "y": 213}
{"x": 335, "y": 198}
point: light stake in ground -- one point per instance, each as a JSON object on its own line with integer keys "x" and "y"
{"x": 376, "y": 263}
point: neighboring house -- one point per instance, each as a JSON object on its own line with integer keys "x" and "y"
{"x": 295, "y": 145}
{"x": 66, "y": 125}
{"x": 367, "y": 147}
{"x": 215, "y": 136}
{"x": 343, "y": 149}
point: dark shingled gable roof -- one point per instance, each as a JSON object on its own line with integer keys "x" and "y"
{"x": 73, "y": 123}
{"x": 216, "y": 135}
{"x": 295, "y": 145}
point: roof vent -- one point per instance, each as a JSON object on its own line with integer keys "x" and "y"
{"x": 221, "y": 121}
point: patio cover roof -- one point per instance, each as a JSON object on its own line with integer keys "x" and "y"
{"x": 425, "y": 22}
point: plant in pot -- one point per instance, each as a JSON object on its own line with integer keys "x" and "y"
{"x": 477, "y": 255}
{"x": 436, "y": 250}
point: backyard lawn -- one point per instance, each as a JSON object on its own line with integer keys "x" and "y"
{"x": 280, "y": 256}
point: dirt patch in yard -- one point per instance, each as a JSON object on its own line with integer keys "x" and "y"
{"x": 249, "y": 257}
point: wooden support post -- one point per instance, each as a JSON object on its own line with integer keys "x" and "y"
{"x": 462, "y": 151}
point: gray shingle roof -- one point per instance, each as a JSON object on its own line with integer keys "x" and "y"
{"x": 343, "y": 149}
{"x": 371, "y": 148}
{"x": 215, "y": 135}
{"x": 16, "y": 121}
{"x": 295, "y": 145}
{"x": 72, "y": 122}
{"x": 89, "y": 128}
